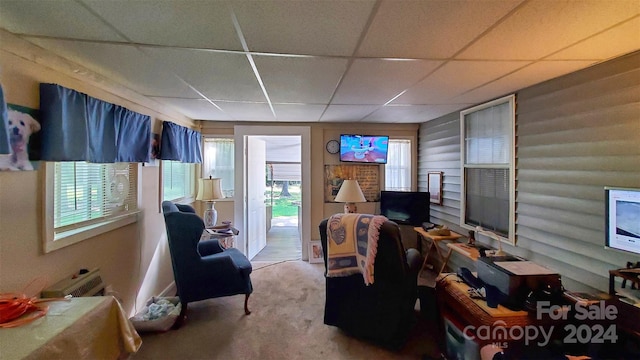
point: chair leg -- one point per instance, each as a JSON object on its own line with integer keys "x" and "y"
{"x": 246, "y": 307}
{"x": 181, "y": 318}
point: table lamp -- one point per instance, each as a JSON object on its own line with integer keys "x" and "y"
{"x": 350, "y": 193}
{"x": 209, "y": 190}
{"x": 493, "y": 236}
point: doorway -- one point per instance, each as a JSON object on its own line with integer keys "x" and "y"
{"x": 283, "y": 198}
{"x": 263, "y": 236}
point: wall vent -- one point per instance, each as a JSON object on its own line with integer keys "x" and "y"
{"x": 76, "y": 285}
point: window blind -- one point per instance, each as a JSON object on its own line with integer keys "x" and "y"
{"x": 487, "y": 161}
{"x": 487, "y": 200}
{"x": 487, "y": 135}
{"x": 87, "y": 193}
{"x": 177, "y": 180}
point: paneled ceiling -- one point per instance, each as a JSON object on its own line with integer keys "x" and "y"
{"x": 391, "y": 61}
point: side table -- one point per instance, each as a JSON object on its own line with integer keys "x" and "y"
{"x": 433, "y": 242}
{"x": 227, "y": 240}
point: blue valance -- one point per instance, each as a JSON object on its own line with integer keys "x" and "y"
{"x": 78, "y": 127}
{"x": 5, "y": 148}
{"x": 179, "y": 143}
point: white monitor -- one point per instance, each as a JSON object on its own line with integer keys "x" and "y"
{"x": 622, "y": 222}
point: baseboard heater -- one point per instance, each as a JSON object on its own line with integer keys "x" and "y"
{"x": 84, "y": 283}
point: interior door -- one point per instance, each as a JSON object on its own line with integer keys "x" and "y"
{"x": 256, "y": 208}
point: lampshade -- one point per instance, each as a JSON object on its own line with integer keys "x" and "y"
{"x": 209, "y": 189}
{"x": 350, "y": 192}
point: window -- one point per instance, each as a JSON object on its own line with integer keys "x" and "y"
{"x": 178, "y": 180}
{"x": 397, "y": 171}
{"x": 86, "y": 200}
{"x": 487, "y": 153}
{"x": 218, "y": 162}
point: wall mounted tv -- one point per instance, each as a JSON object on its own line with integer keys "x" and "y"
{"x": 364, "y": 148}
{"x": 622, "y": 219}
{"x": 405, "y": 207}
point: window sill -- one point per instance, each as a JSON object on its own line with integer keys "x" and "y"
{"x": 73, "y": 236}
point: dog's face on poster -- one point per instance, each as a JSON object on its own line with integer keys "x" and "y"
{"x": 21, "y": 126}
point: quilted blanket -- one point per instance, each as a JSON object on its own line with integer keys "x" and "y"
{"x": 352, "y": 244}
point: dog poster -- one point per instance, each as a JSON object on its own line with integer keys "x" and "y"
{"x": 24, "y": 139}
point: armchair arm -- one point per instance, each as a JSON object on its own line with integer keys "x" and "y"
{"x": 219, "y": 263}
{"x": 209, "y": 247}
{"x": 414, "y": 260}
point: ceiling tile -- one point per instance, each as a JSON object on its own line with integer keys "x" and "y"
{"x": 347, "y": 112}
{"x": 298, "y": 112}
{"x": 617, "y": 41}
{"x": 245, "y": 111}
{"x": 123, "y": 64}
{"x": 526, "y": 35}
{"x": 201, "y": 24}
{"x": 429, "y": 29}
{"x": 197, "y": 109}
{"x": 397, "y": 114}
{"x": 63, "y": 18}
{"x": 455, "y": 78}
{"x": 300, "y": 79}
{"x": 376, "y": 81}
{"x": 525, "y": 77}
{"x": 436, "y": 111}
{"x": 219, "y": 76}
{"x": 303, "y": 27}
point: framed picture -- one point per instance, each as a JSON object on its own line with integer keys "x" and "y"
{"x": 315, "y": 252}
{"x": 435, "y": 187}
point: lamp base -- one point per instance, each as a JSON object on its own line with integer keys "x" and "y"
{"x": 350, "y": 208}
{"x": 210, "y": 216}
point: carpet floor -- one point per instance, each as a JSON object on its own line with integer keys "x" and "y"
{"x": 286, "y": 323}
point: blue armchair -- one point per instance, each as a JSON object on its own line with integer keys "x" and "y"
{"x": 202, "y": 269}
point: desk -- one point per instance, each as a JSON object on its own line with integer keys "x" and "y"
{"x": 468, "y": 251}
{"x": 433, "y": 242}
{"x": 80, "y": 328}
{"x": 455, "y": 304}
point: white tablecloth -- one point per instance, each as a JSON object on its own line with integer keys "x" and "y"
{"x": 79, "y": 328}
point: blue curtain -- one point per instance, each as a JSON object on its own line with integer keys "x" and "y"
{"x": 133, "y": 136}
{"x": 101, "y": 131}
{"x": 5, "y": 148}
{"x": 179, "y": 143}
{"x": 78, "y": 127}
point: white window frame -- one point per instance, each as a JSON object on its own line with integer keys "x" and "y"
{"x": 187, "y": 198}
{"x": 511, "y": 99}
{"x": 53, "y": 240}
{"x": 410, "y": 166}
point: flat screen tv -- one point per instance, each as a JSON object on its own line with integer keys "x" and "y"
{"x": 405, "y": 207}
{"x": 364, "y": 148}
{"x": 622, "y": 219}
